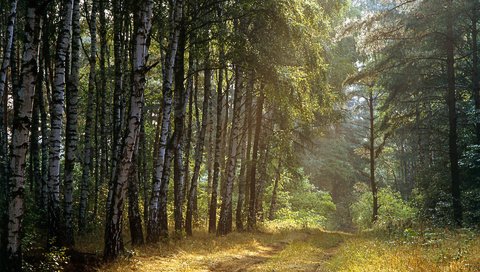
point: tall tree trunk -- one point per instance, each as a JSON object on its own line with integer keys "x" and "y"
{"x": 373, "y": 183}
{"x": 71, "y": 126}
{"x": 452, "y": 118}
{"x": 44, "y": 132}
{"x": 188, "y": 137}
{"x": 87, "y": 152}
{"x": 192, "y": 196}
{"x": 113, "y": 229}
{"x": 34, "y": 167}
{"x": 153, "y": 231}
{"x": 212, "y": 213}
{"x": 225, "y": 220}
{"x": 143, "y": 169}
{"x": 162, "y": 214}
{"x": 7, "y": 51}
{"x": 475, "y": 72}
{"x": 273, "y": 202}
{"x": 56, "y": 123}
{"x": 118, "y": 88}
{"x": 102, "y": 90}
{"x": 23, "y": 105}
{"x": 252, "y": 214}
{"x": 181, "y": 100}
{"x": 247, "y": 146}
{"x": 263, "y": 176}
{"x": 134, "y": 218}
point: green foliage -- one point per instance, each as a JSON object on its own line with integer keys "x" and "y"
{"x": 301, "y": 204}
{"x": 392, "y": 212}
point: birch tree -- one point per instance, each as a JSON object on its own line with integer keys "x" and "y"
{"x": 225, "y": 220}
{"x": 71, "y": 126}
{"x": 113, "y": 228}
{"x": 20, "y": 140}
{"x": 153, "y": 231}
{"x": 56, "y": 122}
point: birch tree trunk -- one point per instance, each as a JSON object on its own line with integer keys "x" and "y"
{"x": 87, "y": 152}
{"x": 181, "y": 100}
{"x": 7, "y": 51}
{"x": 113, "y": 229}
{"x": 56, "y": 124}
{"x": 225, "y": 220}
{"x": 135, "y": 220}
{"x": 153, "y": 231}
{"x": 20, "y": 139}
{"x": 71, "y": 126}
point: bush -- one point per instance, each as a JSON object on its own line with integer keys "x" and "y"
{"x": 393, "y": 210}
{"x": 302, "y": 205}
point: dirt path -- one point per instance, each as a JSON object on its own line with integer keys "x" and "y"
{"x": 280, "y": 257}
{"x": 243, "y": 263}
{"x": 298, "y": 250}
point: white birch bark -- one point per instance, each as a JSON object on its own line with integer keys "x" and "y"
{"x": 56, "y": 123}
{"x": 153, "y": 231}
{"x": 225, "y": 220}
{"x": 20, "y": 141}
{"x": 113, "y": 230}
{"x": 71, "y": 126}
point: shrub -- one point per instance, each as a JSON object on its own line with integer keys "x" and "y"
{"x": 393, "y": 210}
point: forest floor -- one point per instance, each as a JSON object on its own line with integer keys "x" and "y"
{"x": 309, "y": 250}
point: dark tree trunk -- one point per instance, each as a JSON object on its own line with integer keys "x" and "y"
{"x": 163, "y": 204}
{"x": 452, "y": 118}
{"x": 180, "y": 106}
{"x": 200, "y": 144}
{"x": 273, "y": 203}
{"x": 188, "y": 137}
{"x": 373, "y": 183}
{"x": 263, "y": 176}
{"x": 475, "y": 72}
{"x": 212, "y": 214}
{"x": 134, "y": 218}
{"x": 87, "y": 152}
{"x": 252, "y": 218}
{"x": 118, "y": 86}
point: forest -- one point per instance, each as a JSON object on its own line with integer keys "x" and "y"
{"x": 239, "y": 135}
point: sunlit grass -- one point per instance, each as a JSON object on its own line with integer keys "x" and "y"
{"x": 437, "y": 251}
{"x": 202, "y": 252}
{"x": 295, "y": 249}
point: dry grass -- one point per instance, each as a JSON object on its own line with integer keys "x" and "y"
{"x": 204, "y": 252}
{"x": 305, "y": 250}
{"x": 440, "y": 251}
